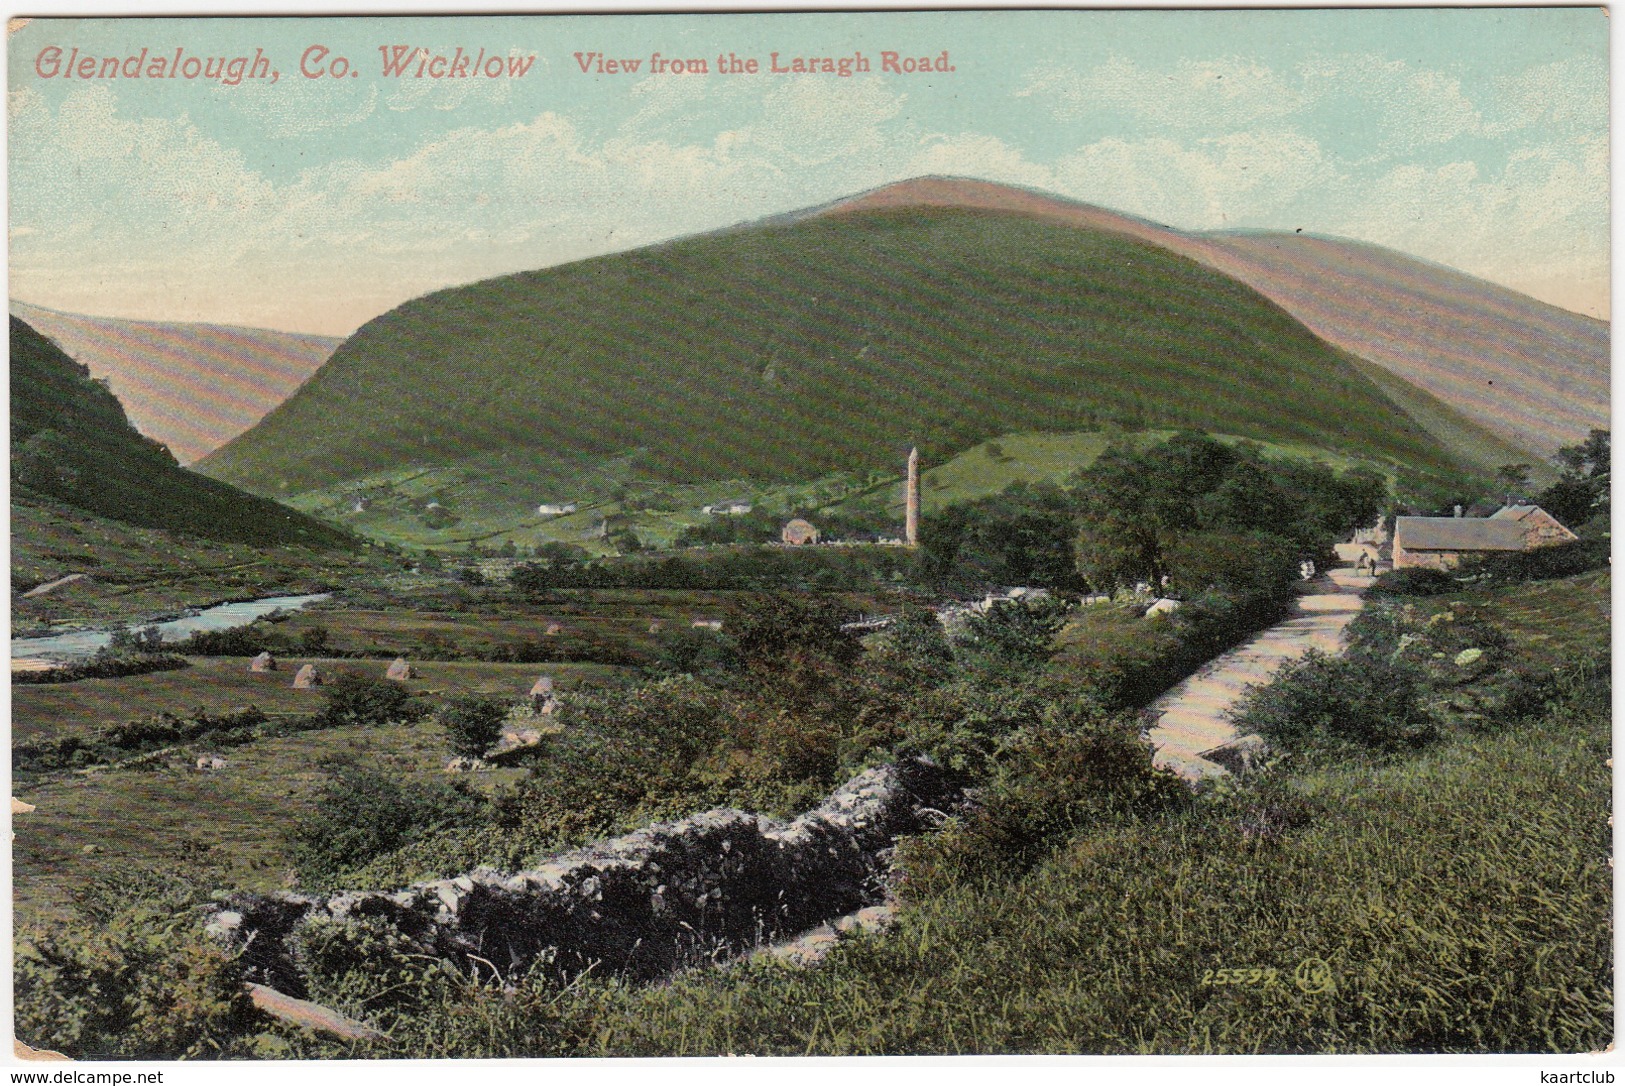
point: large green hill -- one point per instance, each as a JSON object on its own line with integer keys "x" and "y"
{"x": 788, "y": 351}
{"x": 72, "y": 445}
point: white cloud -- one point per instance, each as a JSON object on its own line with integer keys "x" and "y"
{"x": 1191, "y": 95}
{"x": 1226, "y": 181}
{"x": 1539, "y": 224}
{"x": 970, "y": 154}
{"x": 1410, "y": 106}
{"x": 299, "y": 107}
{"x": 1565, "y": 98}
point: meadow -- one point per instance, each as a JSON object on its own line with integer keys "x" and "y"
{"x": 1453, "y": 900}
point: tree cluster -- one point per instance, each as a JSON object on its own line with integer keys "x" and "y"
{"x": 1212, "y": 516}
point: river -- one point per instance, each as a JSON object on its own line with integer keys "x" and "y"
{"x": 83, "y": 644}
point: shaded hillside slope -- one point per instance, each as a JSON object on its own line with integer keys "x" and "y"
{"x": 790, "y": 351}
{"x": 71, "y": 443}
{"x": 192, "y": 387}
{"x": 1535, "y": 375}
{"x": 1531, "y": 372}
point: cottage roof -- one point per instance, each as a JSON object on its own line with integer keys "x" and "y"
{"x": 1515, "y": 512}
{"x": 1458, "y": 534}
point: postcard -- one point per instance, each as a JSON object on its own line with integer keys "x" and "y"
{"x": 965, "y": 533}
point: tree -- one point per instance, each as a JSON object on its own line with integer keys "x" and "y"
{"x": 625, "y": 541}
{"x": 473, "y": 723}
{"x": 1015, "y": 636}
{"x": 1022, "y": 536}
{"x": 1589, "y": 459}
{"x": 1512, "y": 478}
{"x": 362, "y": 699}
{"x": 1251, "y": 566}
{"x": 1117, "y": 550}
{"x": 1582, "y": 491}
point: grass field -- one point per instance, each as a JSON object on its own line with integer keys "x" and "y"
{"x": 1459, "y": 903}
{"x": 219, "y": 684}
{"x": 610, "y": 621}
{"x": 494, "y": 496}
{"x": 232, "y": 822}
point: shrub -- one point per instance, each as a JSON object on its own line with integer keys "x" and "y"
{"x": 1076, "y": 766}
{"x": 133, "y": 976}
{"x": 103, "y": 665}
{"x": 697, "y": 652}
{"x": 112, "y": 742}
{"x": 1013, "y": 635}
{"x": 1413, "y": 581}
{"x": 361, "y": 814}
{"x": 363, "y": 699}
{"x": 1542, "y": 563}
{"x": 313, "y": 641}
{"x": 1320, "y": 701}
{"x": 474, "y": 723}
{"x": 237, "y": 641}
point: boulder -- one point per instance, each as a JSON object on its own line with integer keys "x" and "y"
{"x": 262, "y": 663}
{"x": 1240, "y": 755}
{"x": 308, "y": 678}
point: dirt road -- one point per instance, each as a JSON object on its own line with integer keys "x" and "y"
{"x": 1192, "y": 715}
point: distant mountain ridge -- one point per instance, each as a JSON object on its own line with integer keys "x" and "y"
{"x": 72, "y": 444}
{"x": 192, "y": 387}
{"x": 1532, "y": 373}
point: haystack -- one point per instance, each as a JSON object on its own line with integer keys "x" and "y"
{"x": 262, "y": 663}
{"x": 400, "y": 670}
{"x": 799, "y": 533}
{"x": 308, "y": 678}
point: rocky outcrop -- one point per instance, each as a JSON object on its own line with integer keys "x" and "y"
{"x": 639, "y": 906}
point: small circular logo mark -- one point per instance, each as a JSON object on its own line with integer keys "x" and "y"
{"x": 1314, "y": 976}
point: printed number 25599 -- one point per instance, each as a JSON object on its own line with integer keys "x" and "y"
{"x": 1254, "y": 975}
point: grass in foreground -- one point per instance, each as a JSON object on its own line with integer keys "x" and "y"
{"x": 1460, "y": 902}
{"x": 1554, "y": 623}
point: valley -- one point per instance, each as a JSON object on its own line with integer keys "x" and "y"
{"x": 620, "y": 545}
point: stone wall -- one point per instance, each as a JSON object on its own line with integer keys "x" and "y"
{"x": 637, "y": 906}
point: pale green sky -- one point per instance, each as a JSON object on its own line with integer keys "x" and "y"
{"x": 1477, "y": 138}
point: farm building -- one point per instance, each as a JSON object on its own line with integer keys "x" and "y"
{"x": 734, "y": 508}
{"x": 556, "y": 509}
{"x": 1540, "y": 528}
{"x": 798, "y": 533}
{"x": 1442, "y": 542}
